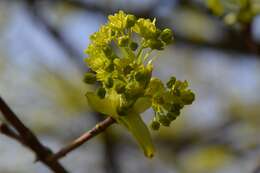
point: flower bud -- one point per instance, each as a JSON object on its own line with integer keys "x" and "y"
{"x": 187, "y": 97}
{"x": 109, "y": 82}
{"x": 101, "y": 92}
{"x": 155, "y": 44}
{"x": 167, "y": 36}
{"x": 141, "y": 76}
{"x": 89, "y": 78}
{"x": 133, "y": 46}
{"x": 176, "y": 107}
{"x": 171, "y": 116}
{"x": 155, "y": 125}
{"x": 130, "y": 20}
{"x": 171, "y": 82}
{"x": 164, "y": 120}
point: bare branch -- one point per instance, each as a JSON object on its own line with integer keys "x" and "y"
{"x": 100, "y": 127}
{"x": 6, "y": 130}
{"x": 251, "y": 45}
{"x": 28, "y": 138}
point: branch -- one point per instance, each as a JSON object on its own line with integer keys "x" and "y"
{"x": 249, "y": 42}
{"x": 6, "y": 130}
{"x": 28, "y": 138}
{"x": 100, "y": 127}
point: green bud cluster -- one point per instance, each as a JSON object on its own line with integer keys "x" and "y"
{"x": 168, "y": 101}
{"x": 123, "y": 68}
{"x": 235, "y": 11}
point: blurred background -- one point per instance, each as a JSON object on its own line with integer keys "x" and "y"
{"x": 41, "y": 71}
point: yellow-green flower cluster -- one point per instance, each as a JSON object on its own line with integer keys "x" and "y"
{"x": 119, "y": 58}
{"x": 126, "y": 73}
{"x": 168, "y": 102}
{"x": 235, "y": 11}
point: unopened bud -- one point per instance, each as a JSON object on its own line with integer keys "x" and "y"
{"x": 187, "y": 97}
{"x": 89, "y": 78}
{"x": 130, "y": 21}
{"x": 109, "y": 83}
{"x": 171, "y": 82}
{"x": 167, "y": 36}
{"x": 155, "y": 125}
{"x": 101, "y": 92}
{"x": 171, "y": 116}
{"x": 155, "y": 44}
{"x": 164, "y": 120}
{"x": 133, "y": 46}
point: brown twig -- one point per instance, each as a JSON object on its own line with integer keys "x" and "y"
{"x": 249, "y": 42}
{"x": 6, "y": 130}
{"x": 28, "y": 138}
{"x": 100, "y": 127}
